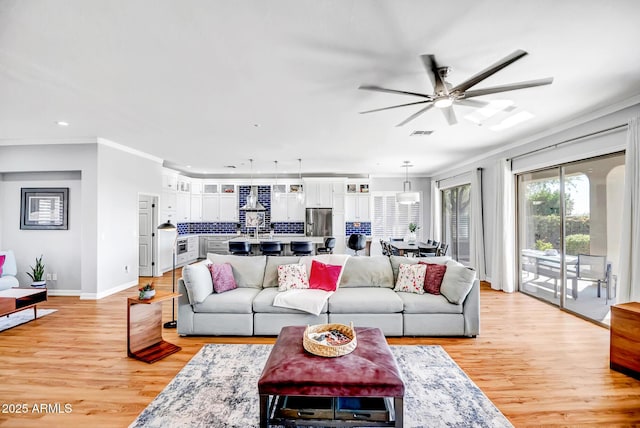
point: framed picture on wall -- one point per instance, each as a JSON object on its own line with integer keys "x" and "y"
{"x": 44, "y": 208}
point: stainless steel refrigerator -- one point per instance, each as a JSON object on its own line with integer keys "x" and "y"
{"x": 318, "y": 222}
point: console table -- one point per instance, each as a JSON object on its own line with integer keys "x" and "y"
{"x": 144, "y": 328}
{"x": 625, "y": 339}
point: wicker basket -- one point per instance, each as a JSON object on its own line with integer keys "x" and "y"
{"x": 322, "y": 350}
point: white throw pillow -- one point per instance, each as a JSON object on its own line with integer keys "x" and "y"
{"x": 457, "y": 282}
{"x": 411, "y": 278}
{"x": 197, "y": 280}
{"x": 293, "y": 276}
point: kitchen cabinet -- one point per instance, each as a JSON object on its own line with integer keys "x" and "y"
{"x": 196, "y": 207}
{"x": 169, "y": 181}
{"x": 214, "y": 244}
{"x": 220, "y": 207}
{"x": 318, "y": 194}
{"x": 168, "y": 202}
{"x": 287, "y": 208}
{"x": 183, "y": 206}
{"x": 357, "y": 207}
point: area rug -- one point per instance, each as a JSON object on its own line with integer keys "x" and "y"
{"x": 22, "y": 317}
{"x": 218, "y": 388}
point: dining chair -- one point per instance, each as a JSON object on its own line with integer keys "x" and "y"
{"x": 442, "y": 249}
{"x": 385, "y": 250}
{"x": 240, "y": 248}
{"x": 595, "y": 269}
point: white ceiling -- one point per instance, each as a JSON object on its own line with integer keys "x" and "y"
{"x": 213, "y": 83}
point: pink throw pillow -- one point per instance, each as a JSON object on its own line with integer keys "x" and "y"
{"x": 324, "y": 276}
{"x": 433, "y": 277}
{"x": 222, "y": 276}
{"x": 2, "y": 263}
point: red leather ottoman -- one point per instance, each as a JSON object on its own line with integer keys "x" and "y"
{"x": 369, "y": 371}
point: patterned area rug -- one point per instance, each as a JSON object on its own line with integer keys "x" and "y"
{"x": 22, "y": 317}
{"x": 218, "y": 388}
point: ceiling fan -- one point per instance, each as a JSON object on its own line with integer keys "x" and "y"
{"x": 445, "y": 95}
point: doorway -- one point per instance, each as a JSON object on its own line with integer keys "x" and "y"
{"x": 569, "y": 234}
{"x": 147, "y": 236}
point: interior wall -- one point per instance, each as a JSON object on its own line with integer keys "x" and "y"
{"x": 58, "y": 158}
{"x": 122, "y": 177}
{"x": 60, "y": 248}
{"x": 609, "y": 143}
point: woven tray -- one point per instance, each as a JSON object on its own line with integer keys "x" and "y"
{"x": 317, "y": 348}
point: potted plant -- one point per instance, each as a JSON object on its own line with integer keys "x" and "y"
{"x": 413, "y": 228}
{"x": 37, "y": 273}
{"x": 147, "y": 292}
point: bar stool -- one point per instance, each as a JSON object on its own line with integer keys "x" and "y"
{"x": 302, "y": 248}
{"x": 240, "y": 248}
{"x": 271, "y": 248}
{"x": 329, "y": 245}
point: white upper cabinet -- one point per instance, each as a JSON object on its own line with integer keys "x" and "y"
{"x": 219, "y": 202}
{"x": 318, "y": 194}
{"x": 357, "y": 207}
{"x": 288, "y": 207}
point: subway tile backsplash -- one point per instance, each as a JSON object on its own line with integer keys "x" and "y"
{"x": 363, "y": 227}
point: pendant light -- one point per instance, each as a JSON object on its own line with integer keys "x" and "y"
{"x": 301, "y": 188}
{"x": 276, "y": 190}
{"x": 407, "y": 197}
{"x": 252, "y": 198}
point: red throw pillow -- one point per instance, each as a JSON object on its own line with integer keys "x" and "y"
{"x": 433, "y": 277}
{"x": 1, "y": 263}
{"x": 324, "y": 276}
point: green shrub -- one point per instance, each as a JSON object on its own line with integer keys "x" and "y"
{"x": 543, "y": 245}
{"x": 577, "y": 244}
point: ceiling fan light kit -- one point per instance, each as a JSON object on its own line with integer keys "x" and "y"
{"x": 445, "y": 95}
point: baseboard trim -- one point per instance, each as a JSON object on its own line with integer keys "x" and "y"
{"x": 109, "y": 292}
{"x": 57, "y": 292}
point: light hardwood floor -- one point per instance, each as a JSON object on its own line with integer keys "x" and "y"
{"x": 540, "y": 366}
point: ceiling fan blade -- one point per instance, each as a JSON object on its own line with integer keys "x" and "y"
{"x": 437, "y": 82}
{"x": 508, "y": 87}
{"x": 401, "y": 105}
{"x": 416, "y": 114}
{"x": 393, "y": 91}
{"x": 474, "y": 80}
{"x": 472, "y": 103}
{"x": 450, "y": 115}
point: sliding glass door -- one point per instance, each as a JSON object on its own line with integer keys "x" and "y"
{"x": 456, "y": 202}
{"x": 568, "y": 220}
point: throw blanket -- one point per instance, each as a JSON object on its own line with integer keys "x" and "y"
{"x": 306, "y": 300}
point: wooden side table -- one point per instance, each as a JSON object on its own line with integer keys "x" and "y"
{"x": 144, "y": 328}
{"x": 625, "y": 339}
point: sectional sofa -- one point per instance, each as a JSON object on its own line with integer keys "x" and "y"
{"x": 365, "y": 296}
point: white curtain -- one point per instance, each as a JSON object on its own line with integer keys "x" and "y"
{"x": 436, "y": 212}
{"x": 629, "y": 281}
{"x": 477, "y": 230}
{"x": 503, "y": 254}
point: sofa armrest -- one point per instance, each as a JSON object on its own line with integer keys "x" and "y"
{"x": 471, "y": 311}
{"x": 185, "y": 311}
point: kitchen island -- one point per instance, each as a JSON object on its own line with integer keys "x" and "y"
{"x": 284, "y": 239}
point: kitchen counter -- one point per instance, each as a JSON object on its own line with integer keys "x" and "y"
{"x": 285, "y": 239}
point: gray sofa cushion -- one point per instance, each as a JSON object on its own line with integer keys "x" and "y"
{"x": 237, "y": 301}
{"x": 396, "y": 261}
{"x": 427, "y": 304}
{"x": 263, "y": 303}
{"x": 248, "y": 271}
{"x": 374, "y": 271}
{"x": 271, "y": 269}
{"x": 197, "y": 281}
{"x": 373, "y": 300}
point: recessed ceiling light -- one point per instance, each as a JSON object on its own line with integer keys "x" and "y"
{"x": 62, "y": 123}
{"x": 188, "y": 166}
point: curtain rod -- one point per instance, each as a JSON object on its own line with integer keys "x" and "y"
{"x": 570, "y": 140}
{"x": 455, "y": 176}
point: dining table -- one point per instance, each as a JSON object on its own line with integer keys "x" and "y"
{"x": 406, "y": 248}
